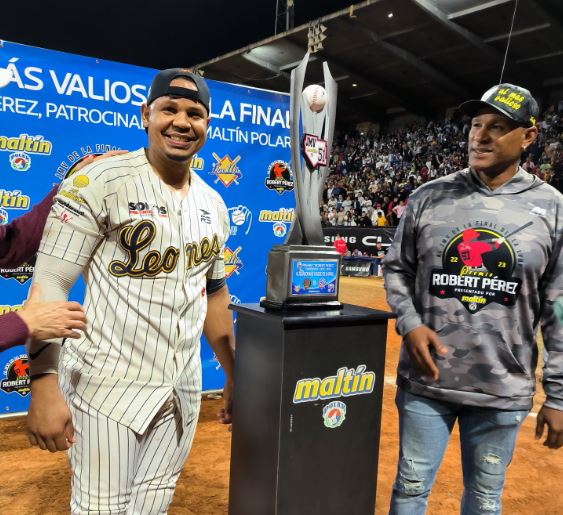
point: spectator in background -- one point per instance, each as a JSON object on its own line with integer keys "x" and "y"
{"x": 364, "y": 220}
{"x": 379, "y": 254}
{"x": 399, "y": 210}
{"x": 340, "y": 245}
{"x": 391, "y": 213}
{"x": 350, "y": 219}
{"x": 331, "y": 216}
{"x": 380, "y": 220}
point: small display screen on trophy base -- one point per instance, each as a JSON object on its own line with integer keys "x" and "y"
{"x": 313, "y": 277}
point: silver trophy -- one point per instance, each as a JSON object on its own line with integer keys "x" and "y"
{"x": 303, "y": 272}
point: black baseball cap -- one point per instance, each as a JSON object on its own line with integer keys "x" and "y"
{"x": 512, "y": 101}
{"x": 161, "y": 87}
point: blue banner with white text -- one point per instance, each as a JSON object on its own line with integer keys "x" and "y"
{"x": 58, "y": 108}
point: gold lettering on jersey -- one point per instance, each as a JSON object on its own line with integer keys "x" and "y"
{"x": 135, "y": 238}
{"x": 72, "y": 194}
{"x": 205, "y": 250}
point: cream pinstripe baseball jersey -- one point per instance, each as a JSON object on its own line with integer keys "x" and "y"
{"x": 146, "y": 256}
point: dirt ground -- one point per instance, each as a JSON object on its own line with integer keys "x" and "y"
{"x": 37, "y": 482}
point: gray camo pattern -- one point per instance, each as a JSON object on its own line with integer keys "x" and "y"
{"x": 492, "y": 352}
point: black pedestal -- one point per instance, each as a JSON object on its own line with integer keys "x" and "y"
{"x": 307, "y": 411}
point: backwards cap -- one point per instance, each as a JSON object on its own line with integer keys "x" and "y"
{"x": 161, "y": 87}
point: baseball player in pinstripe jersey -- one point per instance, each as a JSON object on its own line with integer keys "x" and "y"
{"x": 148, "y": 236}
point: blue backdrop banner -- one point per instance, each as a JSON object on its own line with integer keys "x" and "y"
{"x": 58, "y": 108}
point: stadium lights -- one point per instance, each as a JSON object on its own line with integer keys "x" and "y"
{"x": 390, "y": 15}
{"x": 315, "y": 37}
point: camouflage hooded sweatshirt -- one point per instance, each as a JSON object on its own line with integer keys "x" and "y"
{"x": 482, "y": 268}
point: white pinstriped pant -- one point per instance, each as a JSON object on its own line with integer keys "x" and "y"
{"x": 117, "y": 471}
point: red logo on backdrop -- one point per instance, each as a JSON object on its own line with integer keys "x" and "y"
{"x": 280, "y": 177}
{"x": 16, "y": 376}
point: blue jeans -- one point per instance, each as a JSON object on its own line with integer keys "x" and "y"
{"x": 487, "y": 438}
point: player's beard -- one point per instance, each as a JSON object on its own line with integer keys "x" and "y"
{"x": 179, "y": 158}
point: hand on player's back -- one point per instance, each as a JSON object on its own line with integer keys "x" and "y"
{"x": 93, "y": 158}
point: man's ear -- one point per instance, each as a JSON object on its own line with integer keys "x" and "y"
{"x": 529, "y": 137}
{"x": 145, "y": 114}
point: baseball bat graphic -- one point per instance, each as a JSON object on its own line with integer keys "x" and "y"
{"x": 504, "y": 238}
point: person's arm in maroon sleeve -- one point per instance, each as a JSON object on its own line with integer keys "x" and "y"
{"x": 13, "y": 331}
{"x": 19, "y": 240}
{"x": 41, "y": 320}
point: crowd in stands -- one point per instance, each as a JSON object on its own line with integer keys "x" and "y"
{"x": 372, "y": 175}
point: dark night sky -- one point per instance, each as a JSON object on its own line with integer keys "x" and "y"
{"x": 158, "y": 34}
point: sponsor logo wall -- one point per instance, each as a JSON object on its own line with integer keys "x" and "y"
{"x": 60, "y": 108}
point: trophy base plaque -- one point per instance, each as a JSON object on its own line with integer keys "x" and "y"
{"x": 302, "y": 276}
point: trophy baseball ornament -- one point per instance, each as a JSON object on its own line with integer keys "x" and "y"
{"x": 303, "y": 272}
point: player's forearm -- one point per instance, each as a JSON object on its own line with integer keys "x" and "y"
{"x": 223, "y": 349}
{"x": 218, "y": 329}
{"x": 56, "y": 277}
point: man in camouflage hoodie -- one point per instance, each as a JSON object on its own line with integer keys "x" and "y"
{"x": 474, "y": 268}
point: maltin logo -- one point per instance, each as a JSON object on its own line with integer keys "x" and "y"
{"x": 20, "y": 161}
{"x": 346, "y": 383}
{"x": 14, "y": 200}
{"x": 16, "y": 376}
{"x": 25, "y": 143}
{"x": 279, "y": 219}
{"x": 7, "y": 308}
{"x": 197, "y": 163}
{"x": 3, "y": 216}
